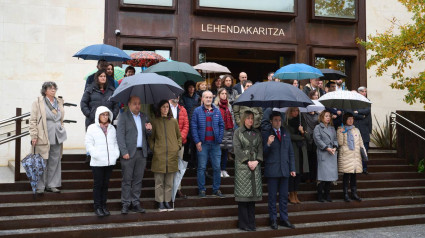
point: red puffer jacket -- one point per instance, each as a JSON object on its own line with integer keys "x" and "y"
{"x": 183, "y": 123}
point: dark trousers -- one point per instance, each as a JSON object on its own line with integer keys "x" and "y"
{"x": 312, "y": 161}
{"x": 101, "y": 176}
{"x": 246, "y": 215}
{"x": 364, "y": 163}
{"x": 349, "y": 178}
{"x": 224, "y": 157}
{"x": 275, "y": 185}
{"x": 293, "y": 183}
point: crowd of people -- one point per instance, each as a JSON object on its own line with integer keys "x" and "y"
{"x": 205, "y": 127}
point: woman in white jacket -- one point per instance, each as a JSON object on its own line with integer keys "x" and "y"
{"x": 101, "y": 143}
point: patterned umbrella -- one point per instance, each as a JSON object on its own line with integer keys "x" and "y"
{"x": 34, "y": 166}
{"x": 144, "y": 59}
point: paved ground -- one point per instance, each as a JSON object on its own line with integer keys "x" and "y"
{"x": 412, "y": 231}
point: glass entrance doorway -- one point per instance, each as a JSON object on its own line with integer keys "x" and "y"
{"x": 256, "y": 63}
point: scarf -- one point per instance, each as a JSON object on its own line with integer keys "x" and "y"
{"x": 225, "y": 113}
{"x": 54, "y": 108}
{"x": 294, "y": 123}
{"x": 350, "y": 137}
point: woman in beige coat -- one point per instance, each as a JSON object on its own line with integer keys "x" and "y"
{"x": 349, "y": 160}
{"x": 47, "y": 135}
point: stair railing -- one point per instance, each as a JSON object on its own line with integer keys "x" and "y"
{"x": 19, "y": 134}
{"x": 405, "y": 149}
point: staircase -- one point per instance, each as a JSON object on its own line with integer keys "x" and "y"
{"x": 393, "y": 194}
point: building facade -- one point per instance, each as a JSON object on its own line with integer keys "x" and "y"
{"x": 245, "y": 35}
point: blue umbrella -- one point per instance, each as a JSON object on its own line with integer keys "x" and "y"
{"x": 273, "y": 94}
{"x": 102, "y": 51}
{"x": 298, "y": 71}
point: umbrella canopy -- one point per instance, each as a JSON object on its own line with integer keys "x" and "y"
{"x": 317, "y": 106}
{"x": 151, "y": 88}
{"x": 118, "y": 73}
{"x": 211, "y": 67}
{"x": 144, "y": 59}
{"x": 298, "y": 71}
{"x": 273, "y": 94}
{"x": 34, "y": 166}
{"x": 102, "y": 51}
{"x": 178, "y": 176}
{"x": 345, "y": 100}
{"x": 332, "y": 74}
{"x": 178, "y": 71}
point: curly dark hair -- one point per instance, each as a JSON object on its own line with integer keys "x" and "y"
{"x": 46, "y": 85}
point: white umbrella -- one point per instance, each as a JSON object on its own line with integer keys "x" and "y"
{"x": 211, "y": 67}
{"x": 345, "y": 100}
{"x": 178, "y": 176}
{"x": 317, "y": 106}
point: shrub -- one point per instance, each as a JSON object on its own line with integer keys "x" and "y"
{"x": 381, "y": 135}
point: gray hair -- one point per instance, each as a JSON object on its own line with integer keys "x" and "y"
{"x": 47, "y": 85}
{"x": 206, "y": 91}
{"x": 361, "y": 89}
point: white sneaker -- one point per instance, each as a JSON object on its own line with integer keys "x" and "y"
{"x": 221, "y": 174}
{"x": 225, "y": 174}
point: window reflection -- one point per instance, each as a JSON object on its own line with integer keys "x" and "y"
{"x": 335, "y": 8}
{"x": 269, "y": 5}
{"x": 328, "y": 63}
{"x": 166, "y": 3}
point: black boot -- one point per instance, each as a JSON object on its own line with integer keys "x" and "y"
{"x": 319, "y": 192}
{"x": 328, "y": 191}
{"x": 345, "y": 187}
{"x": 354, "y": 194}
{"x": 353, "y": 183}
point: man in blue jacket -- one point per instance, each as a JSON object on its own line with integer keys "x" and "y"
{"x": 207, "y": 129}
{"x": 279, "y": 164}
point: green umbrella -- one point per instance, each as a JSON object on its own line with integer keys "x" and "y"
{"x": 118, "y": 73}
{"x": 178, "y": 71}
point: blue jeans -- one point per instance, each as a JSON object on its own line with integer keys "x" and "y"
{"x": 212, "y": 151}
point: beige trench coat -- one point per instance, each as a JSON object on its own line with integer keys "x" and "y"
{"x": 38, "y": 126}
{"x": 349, "y": 161}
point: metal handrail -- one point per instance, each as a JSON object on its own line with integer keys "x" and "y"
{"x": 14, "y": 137}
{"x": 393, "y": 122}
{"x": 15, "y": 118}
{"x": 407, "y": 121}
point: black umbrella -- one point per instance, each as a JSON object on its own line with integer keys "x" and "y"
{"x": 273, "y": 94}
{"x": 151, "y": 88}
{"x": 332, "y": 74}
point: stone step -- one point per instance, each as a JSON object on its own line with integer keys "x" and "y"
{"x": 168, "y": 223}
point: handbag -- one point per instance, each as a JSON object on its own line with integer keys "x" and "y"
{"x": 363, "y": 154}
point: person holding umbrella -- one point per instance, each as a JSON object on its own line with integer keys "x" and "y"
{"x": 165, "y": 142}
{"x": 97, "y": 95}
{"x": 101, "y": 143}
{"x": 47, "y": 135}
{"x": 350, "y": 160}
{"x": 101, "y": 65}
{"x": 327, "y": 169}
{"x": 247, "y": 144}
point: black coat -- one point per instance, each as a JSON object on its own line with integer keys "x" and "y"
{"x": 238, "y": 88}
{"x": 93, "y": 98}
{"x": 363, "y": 122}
{"x": 278, "y": 158}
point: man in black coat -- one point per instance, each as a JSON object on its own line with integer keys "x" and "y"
{"x": 363, "y": 122}
{"x": 279, "y": 164}
{"x": 101, "y": 64}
